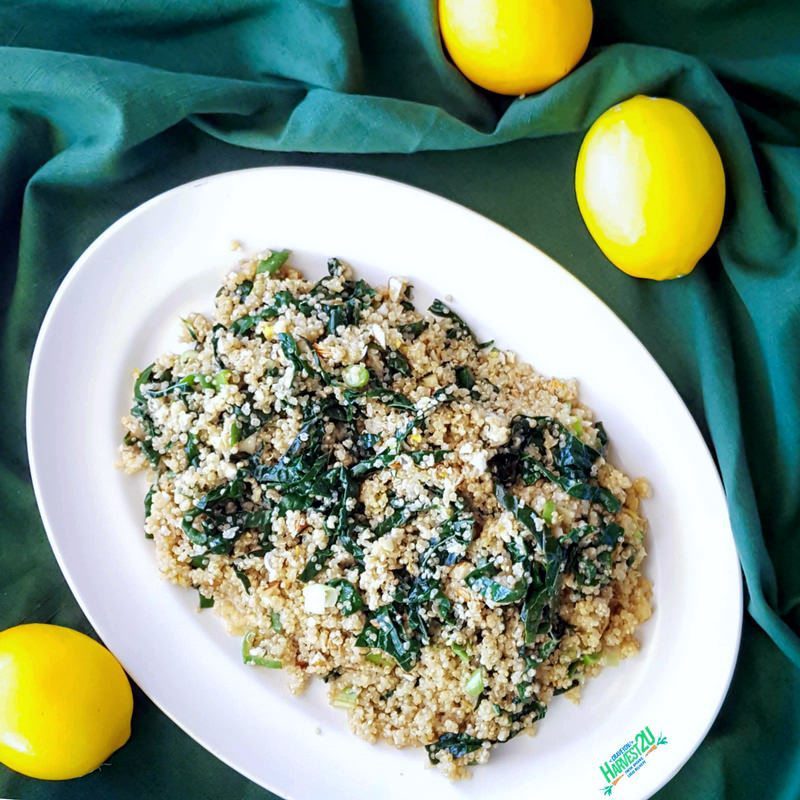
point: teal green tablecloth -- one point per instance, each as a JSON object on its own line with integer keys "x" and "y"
{"x": 103, "y": 105}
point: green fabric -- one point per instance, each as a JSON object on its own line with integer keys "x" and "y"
{"x": 103, "y": 105}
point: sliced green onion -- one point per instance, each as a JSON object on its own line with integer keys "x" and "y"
{"x": 577, "y": 427}
{"x": 347, "y": 698}
{"x": 377, "y": 658}
{"x": 221, "y": 378}
{"x": 275, "y": 621}
{"x": 356, "y": 376}
{"x": 258, "y": 661}
{"x": 203, "y": 381}
{"x": 236, "y": 433}
{"x": 460, "y": 651}
{"x": 548, "y": 510}
{"x": 205, "y": 602}
{"x": 590, "y": 658}
{"x": 475, "y": 683}
{"x": 273, "y": 263}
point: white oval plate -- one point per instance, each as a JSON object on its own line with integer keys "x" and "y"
{"x": 119, "y": 306}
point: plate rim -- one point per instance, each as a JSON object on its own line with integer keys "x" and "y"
{"x": 392, "y": 185}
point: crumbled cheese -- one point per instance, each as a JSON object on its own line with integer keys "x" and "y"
{"x": 396, "y": 288}
{"x": 318, "y": 598}
{"x": 378, "y": 334}
{"x": 475, "y": 457}
{"x": 496, "y": 431}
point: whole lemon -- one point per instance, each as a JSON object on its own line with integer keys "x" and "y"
{"x": 651, "y": 187}
{"x": 65, "y": 702}
{"x": 515, "y": 46}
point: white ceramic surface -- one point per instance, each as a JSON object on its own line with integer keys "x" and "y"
{"x": 120, "y": 305}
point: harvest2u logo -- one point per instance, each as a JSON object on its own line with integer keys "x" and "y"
{"x": 630, "y": 758}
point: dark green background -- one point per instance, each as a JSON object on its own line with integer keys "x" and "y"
{"x": 103, "y": 105}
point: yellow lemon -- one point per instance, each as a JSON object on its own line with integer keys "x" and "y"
{"x": 65, "y": 702}
{"x": 651, "y": 187}
{"x": 515, "y": 46}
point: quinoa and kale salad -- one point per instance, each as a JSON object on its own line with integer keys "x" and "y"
{"x": 366, "y": 493}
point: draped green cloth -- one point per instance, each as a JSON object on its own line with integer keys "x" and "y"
{"x": 103, "y": 105}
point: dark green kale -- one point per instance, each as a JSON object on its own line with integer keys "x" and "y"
{"x": 397, "y": 363}
{"x": 464, "y": 378}
{"x": 457, "y": 744}
{"x": 349, "y": 599}
{"x": 192, "y": 450}
{"x": 569, "y": 464}
{"x": 458, "y": 328}
{"x": 385, "y": 631}
{"x": 411, "y": 330}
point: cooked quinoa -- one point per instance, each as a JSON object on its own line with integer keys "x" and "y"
{"x": 367, "y": 494}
